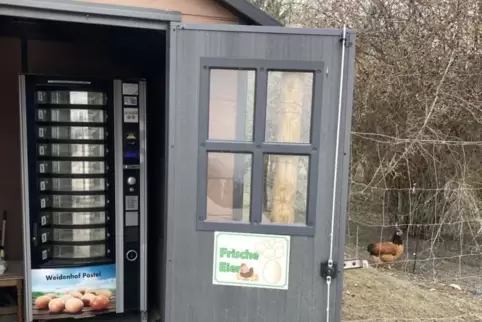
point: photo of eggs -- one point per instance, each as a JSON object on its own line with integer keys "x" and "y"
{"x": 73, "y": 292}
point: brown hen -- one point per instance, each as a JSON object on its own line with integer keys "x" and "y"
{"x": 387, "y": 252}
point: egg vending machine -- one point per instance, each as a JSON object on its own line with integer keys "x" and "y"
{"x": 84, "y": 196}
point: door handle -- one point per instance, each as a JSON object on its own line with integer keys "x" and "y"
{"x": 35, "y": 232}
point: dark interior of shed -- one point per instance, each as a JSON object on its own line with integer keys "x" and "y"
{"x": 81, "y": 50}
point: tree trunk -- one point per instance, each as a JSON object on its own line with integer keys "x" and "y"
{"x": 289, "y": 130}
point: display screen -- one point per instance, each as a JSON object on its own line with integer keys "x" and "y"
{"x": 131, "y": 155}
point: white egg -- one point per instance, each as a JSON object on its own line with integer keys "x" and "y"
{"x": 269, "y": 253}
{"x": 272, "y": 272}
{"x": 279, "y": 253}
{"x": 261, "y": 247}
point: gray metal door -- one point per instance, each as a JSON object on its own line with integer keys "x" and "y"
{"x": 255, "y": 114}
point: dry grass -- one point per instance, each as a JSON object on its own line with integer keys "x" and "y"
{"x": 374, "y": 295}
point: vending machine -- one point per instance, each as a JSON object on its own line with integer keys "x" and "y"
{"x": 84, "y": 196}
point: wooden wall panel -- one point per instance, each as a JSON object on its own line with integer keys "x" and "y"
{"x": 193, "y": 11}
{"x": 10, "y": 170}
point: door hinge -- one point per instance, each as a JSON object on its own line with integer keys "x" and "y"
{"x": 328, "y": 270}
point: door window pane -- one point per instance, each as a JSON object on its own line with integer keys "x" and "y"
{"x": 70, "y": 184}
{"x": 72, "y": 167}
{"x": 86, "y": 201}
{"x": 71, "y": 97}
{"x": 71, "y": 133}
{"x": 70, "y": 115}
{"x": 71, "y": 150}
{"x": 228, "y": 187}
{"x": 79, "y": 235}
{"x": 78, "y": 218}
{"x": 231, "y": 104}
{"x": 79, "y": 251}
{"x": 289, "y": 105}
{"x": 285, "y": 189}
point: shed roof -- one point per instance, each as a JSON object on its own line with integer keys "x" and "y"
{"x": 249, "y": 12}
{"x": 243, "y": 9}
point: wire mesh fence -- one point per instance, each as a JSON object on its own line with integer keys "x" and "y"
{"x": 432, "y": 193}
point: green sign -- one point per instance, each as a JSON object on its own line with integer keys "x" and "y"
{"x": 251, "y": 260}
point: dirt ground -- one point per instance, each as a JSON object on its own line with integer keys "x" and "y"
{"x": 374, "y": 295}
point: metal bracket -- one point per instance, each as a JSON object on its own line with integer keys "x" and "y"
{"x": 144, "y": 316}
{"x": 346, "y": 41}
{"x": 355, "y": 263}
{"x": 328, "y": 270}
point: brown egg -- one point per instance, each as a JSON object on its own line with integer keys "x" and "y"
{"x": 56, "y": 306}
{"x": 74, "y": 305}
{"x": 81, "y": 291}
{"x": 76, "y": 294}
{"x": 66, "y": 297}
{"x": 42, "y": 302}
{"x": 51, "y": 295}
{"x": 87, "y": 298}
{"x": 106, "y": 293}
{"x": 100, "y": 302}
{"x": 89, "y": 291}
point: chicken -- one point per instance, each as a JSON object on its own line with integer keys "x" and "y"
{"x": 387, "y": 252}
{"x": 245, "y": 272}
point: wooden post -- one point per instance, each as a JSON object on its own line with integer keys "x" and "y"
{"x": 289, "y": 131}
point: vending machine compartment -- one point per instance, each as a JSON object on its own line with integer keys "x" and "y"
{"x": 71, "y": 144}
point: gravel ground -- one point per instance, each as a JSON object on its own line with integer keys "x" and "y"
{"x": 374, "y": 295}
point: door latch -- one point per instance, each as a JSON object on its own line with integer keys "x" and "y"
{"x": 328, "y": 270}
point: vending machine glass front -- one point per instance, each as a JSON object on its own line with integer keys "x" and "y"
{"x": 74, "y": 197}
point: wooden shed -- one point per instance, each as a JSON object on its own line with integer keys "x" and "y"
{"x": 221, "y": 143}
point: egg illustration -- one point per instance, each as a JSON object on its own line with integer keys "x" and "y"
{"x": 272, "y": 272}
